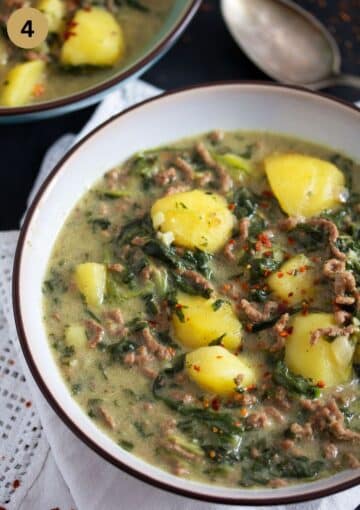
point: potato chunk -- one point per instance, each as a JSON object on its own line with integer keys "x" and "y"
{"x": 54, "y": 11}
{"x": 197, "y": 219}
{"x": 205, "y": 321}
{"x": 96, "y": 39}
{"x": 215, "y": 369}
{"x": 325, "y": 361}
{"x": 90, "y": 279}
{"x": 75, "y": 335}
{"x": 304, "y": 186}
{"x": 20, "y": 83}
{"x": 294, "y": 281}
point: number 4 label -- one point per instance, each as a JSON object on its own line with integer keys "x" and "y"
{"x": 28, "y": 28}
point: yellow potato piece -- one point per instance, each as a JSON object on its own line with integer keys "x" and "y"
{"x": 325, "y": 361}
{"x": 90, "y": 279}
{"x": 202, "y": 324}
{"x": 196, "y": 219}
{"x": 294, "y": 281}
{"x": 75, "y": 335}
{"x": 98, "y": 39}
{"x": 54, "y": 11}
{"x": 304, "y": 186}
{"x": 215, "y": 369}
{"x": 20, "y": 82}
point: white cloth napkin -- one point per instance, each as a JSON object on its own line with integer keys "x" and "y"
{"x": 56, "y": 470}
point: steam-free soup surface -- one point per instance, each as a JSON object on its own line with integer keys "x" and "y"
{"x": 88, "y": 42}
{"x": 202, "y": 305}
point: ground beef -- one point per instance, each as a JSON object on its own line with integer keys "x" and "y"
{"x": 332, "y": 267}
{"x": 216, "y": 136}
{"x": 277, "y": 483}
{"x": 275, "y": 413}
{"x": 354, "y": 463}
{"x": 302, "y": 431}
{"x": 95, "y": 332}
{"x": 198, "y": 279}
{"x": 162, "y": 352}
{"x": 344, "y": 283}
{"x": 244, "y": 225}
{"x": 254, "y": 314}
{"x": 185, "y": 167}
{"x": 114, "y": 322}
{"x": 341, "y": 316}
{"x": 330, "y": 451}
{"x": 116, "y": 268}
{"x": 225, "y": 180}
{"x": 179, "y": 188}
{"x": 332, "y": 332}
{"x": 106, "y": 416}
{"x": 229, "y": 250}
{"x": 165, "y": 177}
{"x": 257, "y": 420}
{"x": 204, "y": 179}
{"x": 280, "y": 330}
{"x": 333, "y": 235}
{"x": 287, "y": 224}
{"x": 328, "y": 417}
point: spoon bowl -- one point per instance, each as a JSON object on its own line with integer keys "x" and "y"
{"x": 286, "y": 42}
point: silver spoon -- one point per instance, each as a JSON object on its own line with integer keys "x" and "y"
{"x": 286, "y": 42}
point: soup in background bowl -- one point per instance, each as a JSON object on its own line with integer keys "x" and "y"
{"x": 200, "y": 300}
{"x": 90, "y": 47}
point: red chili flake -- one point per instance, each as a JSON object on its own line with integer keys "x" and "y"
{"x": 305, "y": 309}
{"x": 246, "y": 247}
{"x": 302, "y": 269}
{"x": 28, "y": 403}
{"x": 178, "y": 306}
{"x": 264, "y": 205}
{"x": 291, "y": 240}
{"x": 291, "y": 273}
{"x": 287, "y": 256}
{"x": 283, "y": 307}
{"x": 315, "y": 259}
{"x": 267, "y": 193}
{"x": 264, "y": 238}
{"x": 286, "y": 332}
{"x": 231, "y": 207}
{"x": 72, "y": 24}
{"x": 16, "y": 484}
{"x": 68, "y": 34}
{"x": 321, "y": 384}
{"x": 280, "y": 274}
{"x": 196, "y": 367}
{"x": 251, "y": 387}
{"x": 267, "y": 253}
{"x": 215, "y": 404}
{"x": 231, "y": 242}
{"x": 245, "y": 286}
{"x": 290, "y": 294}
{"x": 258, "y": 246}
{"x": 153, "y": 323}
{"x": 249, "y": 327}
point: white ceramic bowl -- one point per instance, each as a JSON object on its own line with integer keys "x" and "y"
{"x": 250, "y": 106}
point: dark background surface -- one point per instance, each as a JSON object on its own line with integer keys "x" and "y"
{"x": 205, "y": 53}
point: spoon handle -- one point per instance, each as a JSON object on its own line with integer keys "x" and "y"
{"x": 347, "y": 80}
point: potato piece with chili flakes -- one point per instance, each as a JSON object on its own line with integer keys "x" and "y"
{"x": 303, "y": 185}
{"x": 22, "y": 83}
{"x": 54, "y": 11}
{"x": 322, "y": 361}
{"x": 217, "y": 370}
{"x": 196, "y": 218}
{"x": 93, "y": 37}
{"x": 205, "y": 320}
{"x": 90, "y": 279}
{"x": 294, "y": 282}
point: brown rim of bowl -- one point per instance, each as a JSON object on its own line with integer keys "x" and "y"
{"x": 161, "y": 48}
{"x": 40, "y": 381}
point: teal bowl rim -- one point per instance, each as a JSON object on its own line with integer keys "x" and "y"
{"x": 94, "y": 94}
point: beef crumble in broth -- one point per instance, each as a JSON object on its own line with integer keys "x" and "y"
{"x": 88, "y": 42}
{"x": 208, "y": 319}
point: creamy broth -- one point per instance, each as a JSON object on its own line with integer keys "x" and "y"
{"x": 121, "y": 349}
